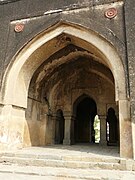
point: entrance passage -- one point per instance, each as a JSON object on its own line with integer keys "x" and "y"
{"x": 84, "y": 125}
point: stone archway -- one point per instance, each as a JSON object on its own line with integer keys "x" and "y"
{"x": 21, "y": 69}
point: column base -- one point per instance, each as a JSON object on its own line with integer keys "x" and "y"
{"x": 67, "y": 142}
{"x": 53, "y": 142}
{"x": 103, "y": 143}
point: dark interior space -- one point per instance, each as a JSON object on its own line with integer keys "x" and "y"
{"x": 85, "y": 114}
{"x": 60, "y": 124}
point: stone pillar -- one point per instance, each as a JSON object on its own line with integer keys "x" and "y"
{"x": 126, "y": 147}
{"x": 103, "y": 130}
{"x": 69, "y": 127}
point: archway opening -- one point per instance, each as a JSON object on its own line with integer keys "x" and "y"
{"x": 84, "y": 123}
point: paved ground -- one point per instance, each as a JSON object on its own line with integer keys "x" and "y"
{"x": 76, "y": 150}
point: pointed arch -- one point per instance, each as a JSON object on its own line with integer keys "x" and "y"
{"x": 79, "y": 99}
{"x": 20, "y": 71}
{"x": 17, "y": 77}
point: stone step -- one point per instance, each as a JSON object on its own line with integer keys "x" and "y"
{"x": 61, "y": 163}
{"x": 63, "y": 157}
{"x": 48, "y": 173}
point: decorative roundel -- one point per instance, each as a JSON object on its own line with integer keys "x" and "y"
{"x": 111, "y": 13}
{"x": 19, "y": 27}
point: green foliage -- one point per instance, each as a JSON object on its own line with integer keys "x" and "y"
{"x": 97, "y": 128}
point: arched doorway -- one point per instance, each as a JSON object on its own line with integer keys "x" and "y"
{"x": 20, "y": 72}
{"x": 86, "y": 111}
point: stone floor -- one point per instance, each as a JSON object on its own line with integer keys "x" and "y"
{"x": 76, "y": 150}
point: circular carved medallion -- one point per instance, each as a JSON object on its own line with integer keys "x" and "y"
{"x": 19, "y": 27}
{"x": 111, "y": 13}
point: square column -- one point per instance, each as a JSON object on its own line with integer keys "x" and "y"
{"x": 103, "y": 130}
{"x": 126, "y": 146}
